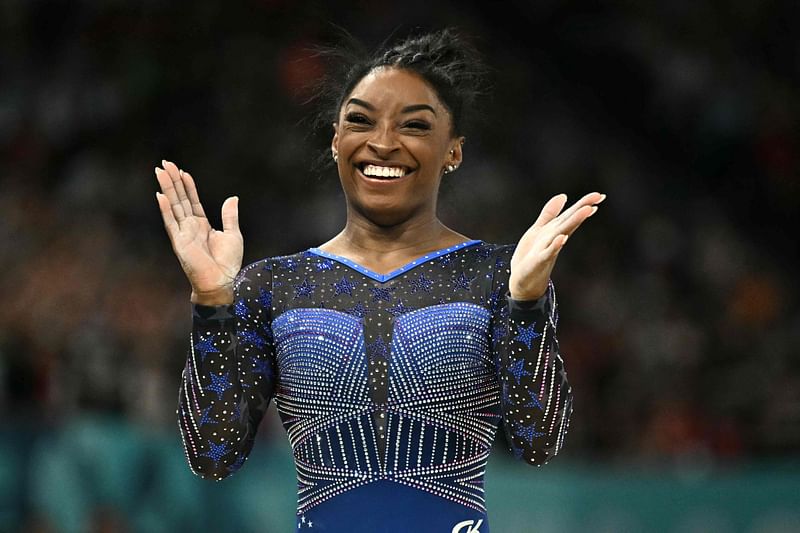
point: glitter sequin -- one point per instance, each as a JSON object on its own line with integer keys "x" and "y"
{"x": 402, "y": 377}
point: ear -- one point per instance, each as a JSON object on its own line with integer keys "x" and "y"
{"x": 457, "y": 152}
{"x": 335, "y": 140}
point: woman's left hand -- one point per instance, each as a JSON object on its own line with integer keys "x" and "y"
{"x": 537, "y": 251}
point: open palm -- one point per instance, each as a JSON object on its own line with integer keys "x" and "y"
{"x": 210, "y": 258}
{"x": 537, "y": 251}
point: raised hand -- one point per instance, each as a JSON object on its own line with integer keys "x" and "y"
{"x": 210, "y": 258}
{"x": 537, "y": 251}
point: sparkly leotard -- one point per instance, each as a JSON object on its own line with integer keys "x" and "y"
{"x": 390, "y": 387}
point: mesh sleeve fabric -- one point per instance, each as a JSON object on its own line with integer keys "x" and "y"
{"x": 229, "y": 376}
{"x": 535, "y": 396}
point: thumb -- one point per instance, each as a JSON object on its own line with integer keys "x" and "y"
{"x": 230, "y": 214}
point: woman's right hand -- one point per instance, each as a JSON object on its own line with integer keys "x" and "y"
{"x": 210, "y": 258}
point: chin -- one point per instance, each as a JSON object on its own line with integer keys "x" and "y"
{"x": 385, "y": 214}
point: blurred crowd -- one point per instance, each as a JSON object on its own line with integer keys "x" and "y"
{"x": 680, "y": 324}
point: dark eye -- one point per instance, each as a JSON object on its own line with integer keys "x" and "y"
{"x": 417, "y": 125}
{"x": 356, "y": 118}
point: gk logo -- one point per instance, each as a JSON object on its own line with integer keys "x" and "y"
{"x": 470, "y": 525}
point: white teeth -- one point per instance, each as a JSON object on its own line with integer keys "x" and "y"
{"x": 384, "y": 172}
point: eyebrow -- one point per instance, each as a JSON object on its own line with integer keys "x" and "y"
{"x": 407, "y": 109}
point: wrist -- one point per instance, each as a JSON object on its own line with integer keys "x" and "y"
{"x": 212, "y": 298}
{"x": 527, "y": 295}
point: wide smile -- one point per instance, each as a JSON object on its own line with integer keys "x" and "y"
{"x": 383, "y": 174}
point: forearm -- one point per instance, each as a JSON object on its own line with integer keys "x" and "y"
{"x": 536, "y": 398}
{"x": 211, "y": 411}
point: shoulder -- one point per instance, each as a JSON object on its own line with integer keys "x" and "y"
{"x": 498, "y": 257}
{"x": 256, "y": 270}
{"x": 288, "y": 262}
{"x": 499, "y": 251}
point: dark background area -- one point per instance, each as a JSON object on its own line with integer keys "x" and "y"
{"x": 680, "y": 325}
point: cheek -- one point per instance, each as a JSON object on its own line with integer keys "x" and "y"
{"x": 349, "y": 142}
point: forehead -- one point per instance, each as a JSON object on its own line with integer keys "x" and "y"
{"x": 389, "y": 88}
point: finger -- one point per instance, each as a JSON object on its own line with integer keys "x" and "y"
{"x": 551, "y": 209}
{"x": 592, "y": 198}
{"x": 177, "y": 182}
{"x": 191, "y": 192}
{"x": 579, "y": 217}
{"x": 168, "y": 188}
{"x": 167, "y": 215}
{"x": 230, "y": 214}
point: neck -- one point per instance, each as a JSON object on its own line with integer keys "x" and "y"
{"x": 363, "y": 235}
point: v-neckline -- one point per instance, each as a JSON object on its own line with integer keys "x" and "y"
{"x": 396, "y": 272}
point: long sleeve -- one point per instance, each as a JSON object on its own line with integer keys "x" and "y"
{"x": 229, "y": 376}
{"x": 535, "y": 396}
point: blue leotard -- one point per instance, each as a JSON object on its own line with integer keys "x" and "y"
{"x": 391, "y": 387}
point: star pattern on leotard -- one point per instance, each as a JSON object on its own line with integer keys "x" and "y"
{"x": 517, "y": 369}
{"x": 377, "y": 349}
{"x": 420, "y": 283}
{"x": 288, "y": 264}
{"x": 527, "y": 335}
{"x": 408, "y": 320}
{"x": 304, "y": 289}
{"x": 381, "y": 293}
{"x": 527, "y": 433}
{"x": 358, "y": 310}
{"x": 463, "y": 281}
{"x": 219, "y": 384}
{"x": 400, "y": 308}
{"x": 205, "y": 418}
{"x": 483, "y": 253}
{"x": 216, "y": 452}
{"x": 252, "y": 338}
{"x": 240, "y": 310}
{"x": 205, "y": 347}
{"x": 324, "y": 264}
{"x": 534, "y": 402}
{"x": 264, "y": 298}
{"x": 344, "y": 286}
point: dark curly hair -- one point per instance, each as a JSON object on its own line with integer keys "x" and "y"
{"x": 445, "y": 59}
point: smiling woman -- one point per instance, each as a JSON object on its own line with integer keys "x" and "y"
{"x": 395, "y": 350}
{"x": 392, "y": 140}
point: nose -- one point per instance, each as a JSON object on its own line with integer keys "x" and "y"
{"x": 382, "y": 142}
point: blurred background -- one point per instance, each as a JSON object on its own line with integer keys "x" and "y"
{"x": 680, "y": 321}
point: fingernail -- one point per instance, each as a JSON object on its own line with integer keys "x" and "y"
{"x": 602, "y": 197}
{"x": 180, "y": 171}
{"x": 156, "y": 170}
{"x": 594, "y": 210}
{"x": 163, "y": 163}
{"x": 565, "y": 240}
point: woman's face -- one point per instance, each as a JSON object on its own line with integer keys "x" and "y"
{"x": 393, "y": 138}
